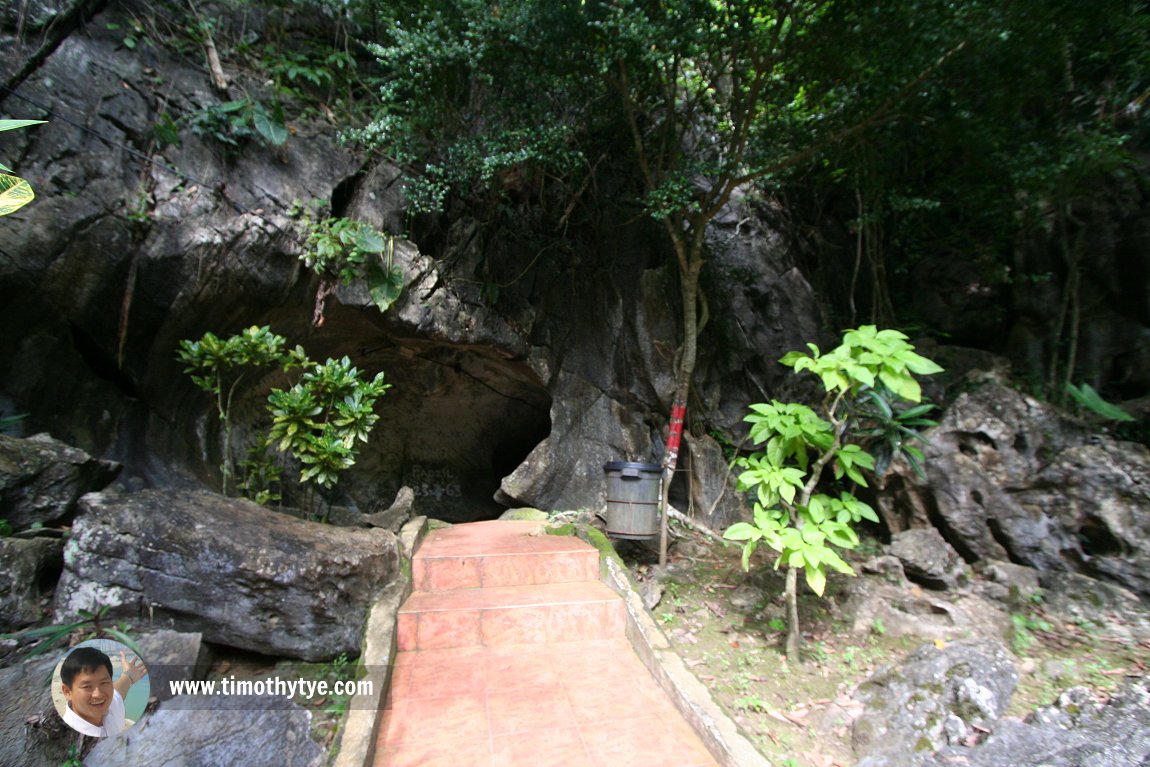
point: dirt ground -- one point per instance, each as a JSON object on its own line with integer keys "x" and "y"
{"x": 729, "y": 627}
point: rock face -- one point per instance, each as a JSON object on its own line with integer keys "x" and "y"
{"x": 1077, "y": 731}
{"x": 171, "y": 656}
{"x": 32, "y": 734}
{"x": 927, "y": 558}
{"x": 1010, "y": 479}
{"x": 208, "y": 731}
{"x": 27, "y": 572}
{"x": 41, "y": 479}
{"x": 517, "y": 373}
{"x": 932, "y": 700}
{"x": 237, "y": 573}
{"x": 871, "y": 604}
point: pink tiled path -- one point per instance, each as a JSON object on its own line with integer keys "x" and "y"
{"x": 512, "y": 654}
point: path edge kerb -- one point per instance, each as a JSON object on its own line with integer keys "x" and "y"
{"x": 718, "y": 731}
{"x": 361, "y": 725}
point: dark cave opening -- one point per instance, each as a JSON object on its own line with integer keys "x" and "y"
{"x": 456, "y": 421}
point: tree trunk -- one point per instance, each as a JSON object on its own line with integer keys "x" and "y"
{"x": 689, "y": 256}
{"x": 793, "y": 634}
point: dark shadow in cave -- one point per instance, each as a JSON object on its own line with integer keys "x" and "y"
{"x": 456, "y": 421}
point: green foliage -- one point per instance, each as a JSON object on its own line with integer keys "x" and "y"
{"x": 344, "y": 249}
{"x": 1023, "y": 627}
{"x": 5, "y": 528}
{"x": 217, "y": 366}
{"x": 260, "y": 475}
{"x": 888, "y": 431}
{"x": 91, "y": 625}
{"x": 973, "y": 175}
{"x": 9, "y": 421}
{"x": 1087, "y": 397}
{"x": 323, "y": 418}
{"x": 861, "y": 376}
{"x": 234, "y": 122}
{"x": 320, "y": 421}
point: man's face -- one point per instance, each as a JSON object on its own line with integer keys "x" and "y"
{"x": 91, "y": 694}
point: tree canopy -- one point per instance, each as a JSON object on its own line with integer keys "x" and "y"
{"x": 946, "y": 126}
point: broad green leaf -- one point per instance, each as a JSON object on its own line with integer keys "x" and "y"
{"x": 15, "y": 193}
{"x": 901, "y": 384}
{"x": 817, "y": 579}
{"x": 269, "y": 127}
{"x": 814, "y": 555}
{"x": 748, "y": 549}
{"x": 370, "y": 240}
{"x": 841, "y": 535}
{"x": 385, "y": 286}
{"x": 836, "y": 562}
{"x": 741, "y": 531}
{"x": 920, "y": 365}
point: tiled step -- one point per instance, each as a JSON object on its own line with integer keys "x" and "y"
{"x": 570, "y": 704}
{"x": 500, "y": 554}
{"x": 501, "y": 615}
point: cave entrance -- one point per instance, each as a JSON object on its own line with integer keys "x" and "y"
{"x": 456, "y": 421}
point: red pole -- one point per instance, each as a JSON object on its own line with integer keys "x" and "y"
{"x": 670, "y": 459}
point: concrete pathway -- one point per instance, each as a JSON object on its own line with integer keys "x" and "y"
{"x": 512, "y": 654}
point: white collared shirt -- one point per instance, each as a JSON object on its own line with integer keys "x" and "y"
{"x": 114, "y": 720}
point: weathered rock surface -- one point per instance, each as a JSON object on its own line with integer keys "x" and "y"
{"x": 870, "y": 604}
{"x": 32, "y": 734}
{"x": 240, "y": 574}
{"x": 194, "y": 731}
{"x": 1078, "y": 731}
{"x": 715, "y": 499}
{"x": 524, "y": 391}
{"x": 172, "y": 656}
{"x": 1076, "y": 598}
{"x": 42, "y": 478}
{"x": 932, "y": 700}
{"x": 27, "y": 572}
{"x": 927, "y": 558}
{"x": 1011, "y": 479}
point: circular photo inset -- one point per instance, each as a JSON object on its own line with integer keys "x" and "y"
{"x": 100, "y": 687}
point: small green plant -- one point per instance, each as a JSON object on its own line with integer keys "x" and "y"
{"x": 777, "y": 624}
{"x": 90, "y": 626}
{"x": 233, "y": 122}
{"x": 260, "y": 475}
{"x": 344, "y": 249}
{"x": 802, "y": 526}
{"x": 5, "y": 528}
{"x": 218, "y": 365}
{"x": 321, "y": 420}
{"x": 15, "y": 192}
{"x": 877, "y": 627}
{"x": 8, "y": 421}
{"x": 1086, "y": 396}
{"x": 1024, "y": 626}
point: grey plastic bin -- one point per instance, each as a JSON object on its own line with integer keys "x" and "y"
{"x": 633, "y": 499}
